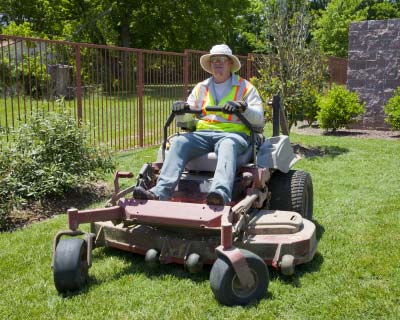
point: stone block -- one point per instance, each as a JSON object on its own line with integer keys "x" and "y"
{"x": 388, "y": 55}
{"x": 357, "y": 64}
{"x": 388, "y": 34}
{"x": 362, "y": 55}
{"x": 359, "y": 74}
{"x": 354, "y": 40}
{"x": 372, "y": 65}
{"x": 392, "y": 84}
{"x": 394, "y": 44}
{"x": 393, "y": 24}
{"x": 355, "y": 83}
{"x": 375, "y": 84}
{"x": 392, "y": 72}
{"x": 377, "y": 24}
{"x": 357, "y": 26}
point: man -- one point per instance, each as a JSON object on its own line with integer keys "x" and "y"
{"x": 221, "y": 132}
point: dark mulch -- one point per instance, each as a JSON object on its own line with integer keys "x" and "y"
{"x": 355, "y": 133}
{"x": 35, "y": 211}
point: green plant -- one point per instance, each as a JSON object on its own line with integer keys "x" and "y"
{"x": 50, "y": 155}
{"x": 310, "y": 106}
{"x": 338, "y": 108}
{"x": 30, "y": 74}
{"x": 33, "y": 74}
{"x": 7, "y": 193}
{"x": 392, "y": 110}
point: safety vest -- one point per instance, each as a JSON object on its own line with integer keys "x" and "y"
{"x": 219, "y": 121}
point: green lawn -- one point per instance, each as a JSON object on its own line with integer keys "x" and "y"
{"x": 354, "y": 275}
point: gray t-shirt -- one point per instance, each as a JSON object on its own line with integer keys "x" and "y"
{"x": 222, "y": 89}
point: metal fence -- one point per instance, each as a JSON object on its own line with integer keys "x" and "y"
{"x": 337, "y": 70}
{"x": 122, "y": 95}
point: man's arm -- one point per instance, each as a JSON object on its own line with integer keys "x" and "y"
{"x": 191, "y": 100}
{"x": 255, "y": 111}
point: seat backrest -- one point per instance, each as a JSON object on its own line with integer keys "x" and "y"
{"x": 277, "y": 153}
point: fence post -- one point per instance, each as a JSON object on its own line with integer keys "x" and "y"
{"x": 249, "y": 62}
{"x": 140, "y": 96}
{"x": 185, "y": 73}
{"x": 78, "y": 83}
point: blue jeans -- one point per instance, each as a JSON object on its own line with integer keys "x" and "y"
{"x": 228, "y": 146}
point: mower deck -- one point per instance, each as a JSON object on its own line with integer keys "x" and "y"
{"x": 271, "y": 234}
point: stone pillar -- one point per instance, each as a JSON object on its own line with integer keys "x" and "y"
{"x": 373, "y": 66}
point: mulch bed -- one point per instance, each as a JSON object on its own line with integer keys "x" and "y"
{"x": 355, "y": 133}
{"x": 35, "y": 211}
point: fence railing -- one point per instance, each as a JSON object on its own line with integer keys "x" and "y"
{"x": 122, "y": 95}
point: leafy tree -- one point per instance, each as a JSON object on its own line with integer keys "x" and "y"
{"x": 382, "y": 10}
{"x": 318, "y": 4}
{"x": 23, "y": 30}
{"x": 249, "y": 29}
{"x": 149, "y": 24}
{"x": 331, "y": 31}
{"x": 43, "y": 16}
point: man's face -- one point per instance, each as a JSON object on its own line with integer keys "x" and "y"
{"x": 221, "y": 68}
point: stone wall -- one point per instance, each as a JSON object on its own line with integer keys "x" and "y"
{"x": 373, "y": 66}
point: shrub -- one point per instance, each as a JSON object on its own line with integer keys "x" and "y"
{"x": 392, "y": 111}
{"x": 310, "y": 106}
{"x": 7, "y": 194}
{"x": 49, "y": 156}
{"x": 338, "y": 108}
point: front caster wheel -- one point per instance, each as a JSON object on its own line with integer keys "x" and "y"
{"x": 226, "y": 286}
{"x": 70, "y": 268}
{"x": 287, "y": 265}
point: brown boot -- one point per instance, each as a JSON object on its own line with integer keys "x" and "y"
{"x": 215, "y": 199}
{"x": 141, "y": 193}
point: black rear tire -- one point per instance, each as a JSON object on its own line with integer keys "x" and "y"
{"x": 292, "y": 191}
{"x": 226, "y": 285}
{"x": 70, "y": 265}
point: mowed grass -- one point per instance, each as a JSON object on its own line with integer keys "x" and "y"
{"x": 354, "y": 275}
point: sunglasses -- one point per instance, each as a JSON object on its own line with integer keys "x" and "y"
{"x": 219, "y": 59}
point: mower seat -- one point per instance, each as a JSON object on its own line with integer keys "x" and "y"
{"x": 208, "y": 162}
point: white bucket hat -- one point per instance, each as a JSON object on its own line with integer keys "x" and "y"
{"x": 219, "y": 50}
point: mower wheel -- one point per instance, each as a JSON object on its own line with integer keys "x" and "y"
{"x": 152, "y": 257}
{"x": 70, "y": 268}
{"x": 292, "y": 191}
{"x": 287, "y": 265}
{"x": 194, "y": 263}
{"x": 226, "y": 286}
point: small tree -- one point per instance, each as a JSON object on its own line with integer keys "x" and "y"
{"x": 292, "y": 65}
{"x": 338, "y": 108}
{"x": 392, "y": 110}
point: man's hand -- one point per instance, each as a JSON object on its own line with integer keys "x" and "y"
{"x": 179, "y": 107}
{"x": 234, "y": 106}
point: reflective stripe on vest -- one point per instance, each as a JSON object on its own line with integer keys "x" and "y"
{"x": 219, "y": 121}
